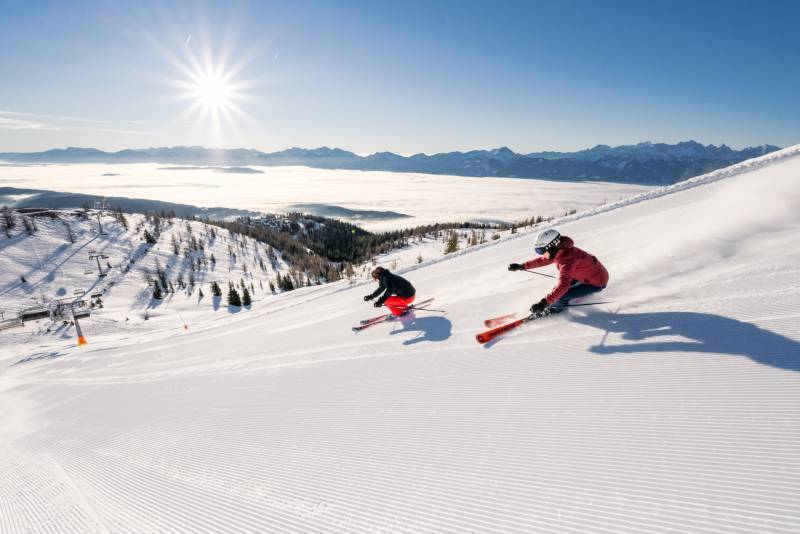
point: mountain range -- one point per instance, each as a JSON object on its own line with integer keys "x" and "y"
{"x": 642, "y": 163}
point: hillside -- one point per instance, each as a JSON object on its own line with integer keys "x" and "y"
{"x": 673, "y": 408}
{"x": 56, "y": 263}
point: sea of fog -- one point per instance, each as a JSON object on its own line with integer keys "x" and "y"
{"x": 375, "y": 200}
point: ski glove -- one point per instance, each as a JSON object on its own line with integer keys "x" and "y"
{"x": 378, "y": 304}
{"x": 540, "y": 306}
{"x": 515, "y": 267}
{"x": 368, "y": 298}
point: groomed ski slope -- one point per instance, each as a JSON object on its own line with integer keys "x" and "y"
{"x": 674, "y": 409}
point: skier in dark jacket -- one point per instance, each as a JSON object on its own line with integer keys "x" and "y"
{"x": 579, "y": 273}
{"x": 398, "y": 293}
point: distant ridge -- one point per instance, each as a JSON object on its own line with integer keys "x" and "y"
{"x": 643, "y": 163}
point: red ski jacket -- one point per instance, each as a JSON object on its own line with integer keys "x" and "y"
{"x": 573, "y": 265}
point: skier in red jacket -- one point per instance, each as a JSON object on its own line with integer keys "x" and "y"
{"x": 579, "y": 273}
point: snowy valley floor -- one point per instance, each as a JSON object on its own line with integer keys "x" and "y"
{"x": 675, "y": 408}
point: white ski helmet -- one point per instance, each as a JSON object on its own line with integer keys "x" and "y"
{"x": 547, "y": 240}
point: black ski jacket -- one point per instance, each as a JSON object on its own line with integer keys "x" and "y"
{"x": 391, "y": 284}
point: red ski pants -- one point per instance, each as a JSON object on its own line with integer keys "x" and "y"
{"x": 397, "y": 305}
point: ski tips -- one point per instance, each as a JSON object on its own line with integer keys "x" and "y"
{"x": 485, "y": 337}
{"x": 498, "y": 321}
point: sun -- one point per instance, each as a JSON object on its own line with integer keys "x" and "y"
{"x": 213, "y": 93}
{"x": 214, "y": 96}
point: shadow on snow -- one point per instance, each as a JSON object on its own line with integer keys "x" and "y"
{"x": 430, "y": 328}
{"x": 707, "y": 332}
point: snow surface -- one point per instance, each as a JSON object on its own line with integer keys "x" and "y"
{"x": 425, "y": 198}
{"x": 675, "y": 408}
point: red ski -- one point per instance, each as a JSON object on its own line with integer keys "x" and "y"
{"x": 378, "y": 318}
{"x": 366, "y": 323}
{"x": 370, "y": 322}
{"x": 500, "y": 328}
{"x": 485, "y": 337}
{"x": 497, "y": 321}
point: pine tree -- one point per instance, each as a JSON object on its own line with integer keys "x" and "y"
{"x": 148, "y": 237}
{"x": 233, "y": 296}
{"x": 157, "y": 291}
{"x": 246, "y": 301}
{"x": 349, "y": 272}
{"x": 124, "y": 220}
{"x": 70, "y": 233}
{"x": 216, "y": 291}
{"x": 28, "y": 224}
{"x": 8, "y": 220}
{"x": 452, "y": 243}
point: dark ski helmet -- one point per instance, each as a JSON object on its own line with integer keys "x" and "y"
{"x": 547, "y": 241}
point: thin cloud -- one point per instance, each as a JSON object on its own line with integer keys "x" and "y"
{"x": 43, "y": 116}
{"x": 114, "y": 130}
{"x": 8, "y": 123}
{"x": 15, "y": 120}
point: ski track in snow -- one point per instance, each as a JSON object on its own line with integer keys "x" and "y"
{"x": 674, "y": 409}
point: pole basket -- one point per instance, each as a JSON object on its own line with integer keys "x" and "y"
{"x": 81, "y": 341}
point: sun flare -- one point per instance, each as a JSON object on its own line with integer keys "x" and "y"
{"x": 213, "y": 87}
{"x": 213, "y": 92}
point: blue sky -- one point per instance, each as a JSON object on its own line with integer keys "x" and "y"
{"x": 401, "y": 76}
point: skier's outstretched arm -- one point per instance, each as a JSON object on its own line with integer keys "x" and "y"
{"x": 377, "y": 292}
{"x": 536, "y": 263}
{"x": 382, "y": 299}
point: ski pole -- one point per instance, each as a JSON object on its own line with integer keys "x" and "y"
{"x": 415, "y": 308}
{"x": 540, "y": 274}
{"x": 428, "y": 309}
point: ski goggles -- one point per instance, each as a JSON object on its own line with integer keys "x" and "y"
{"x": 540, "y": 250}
